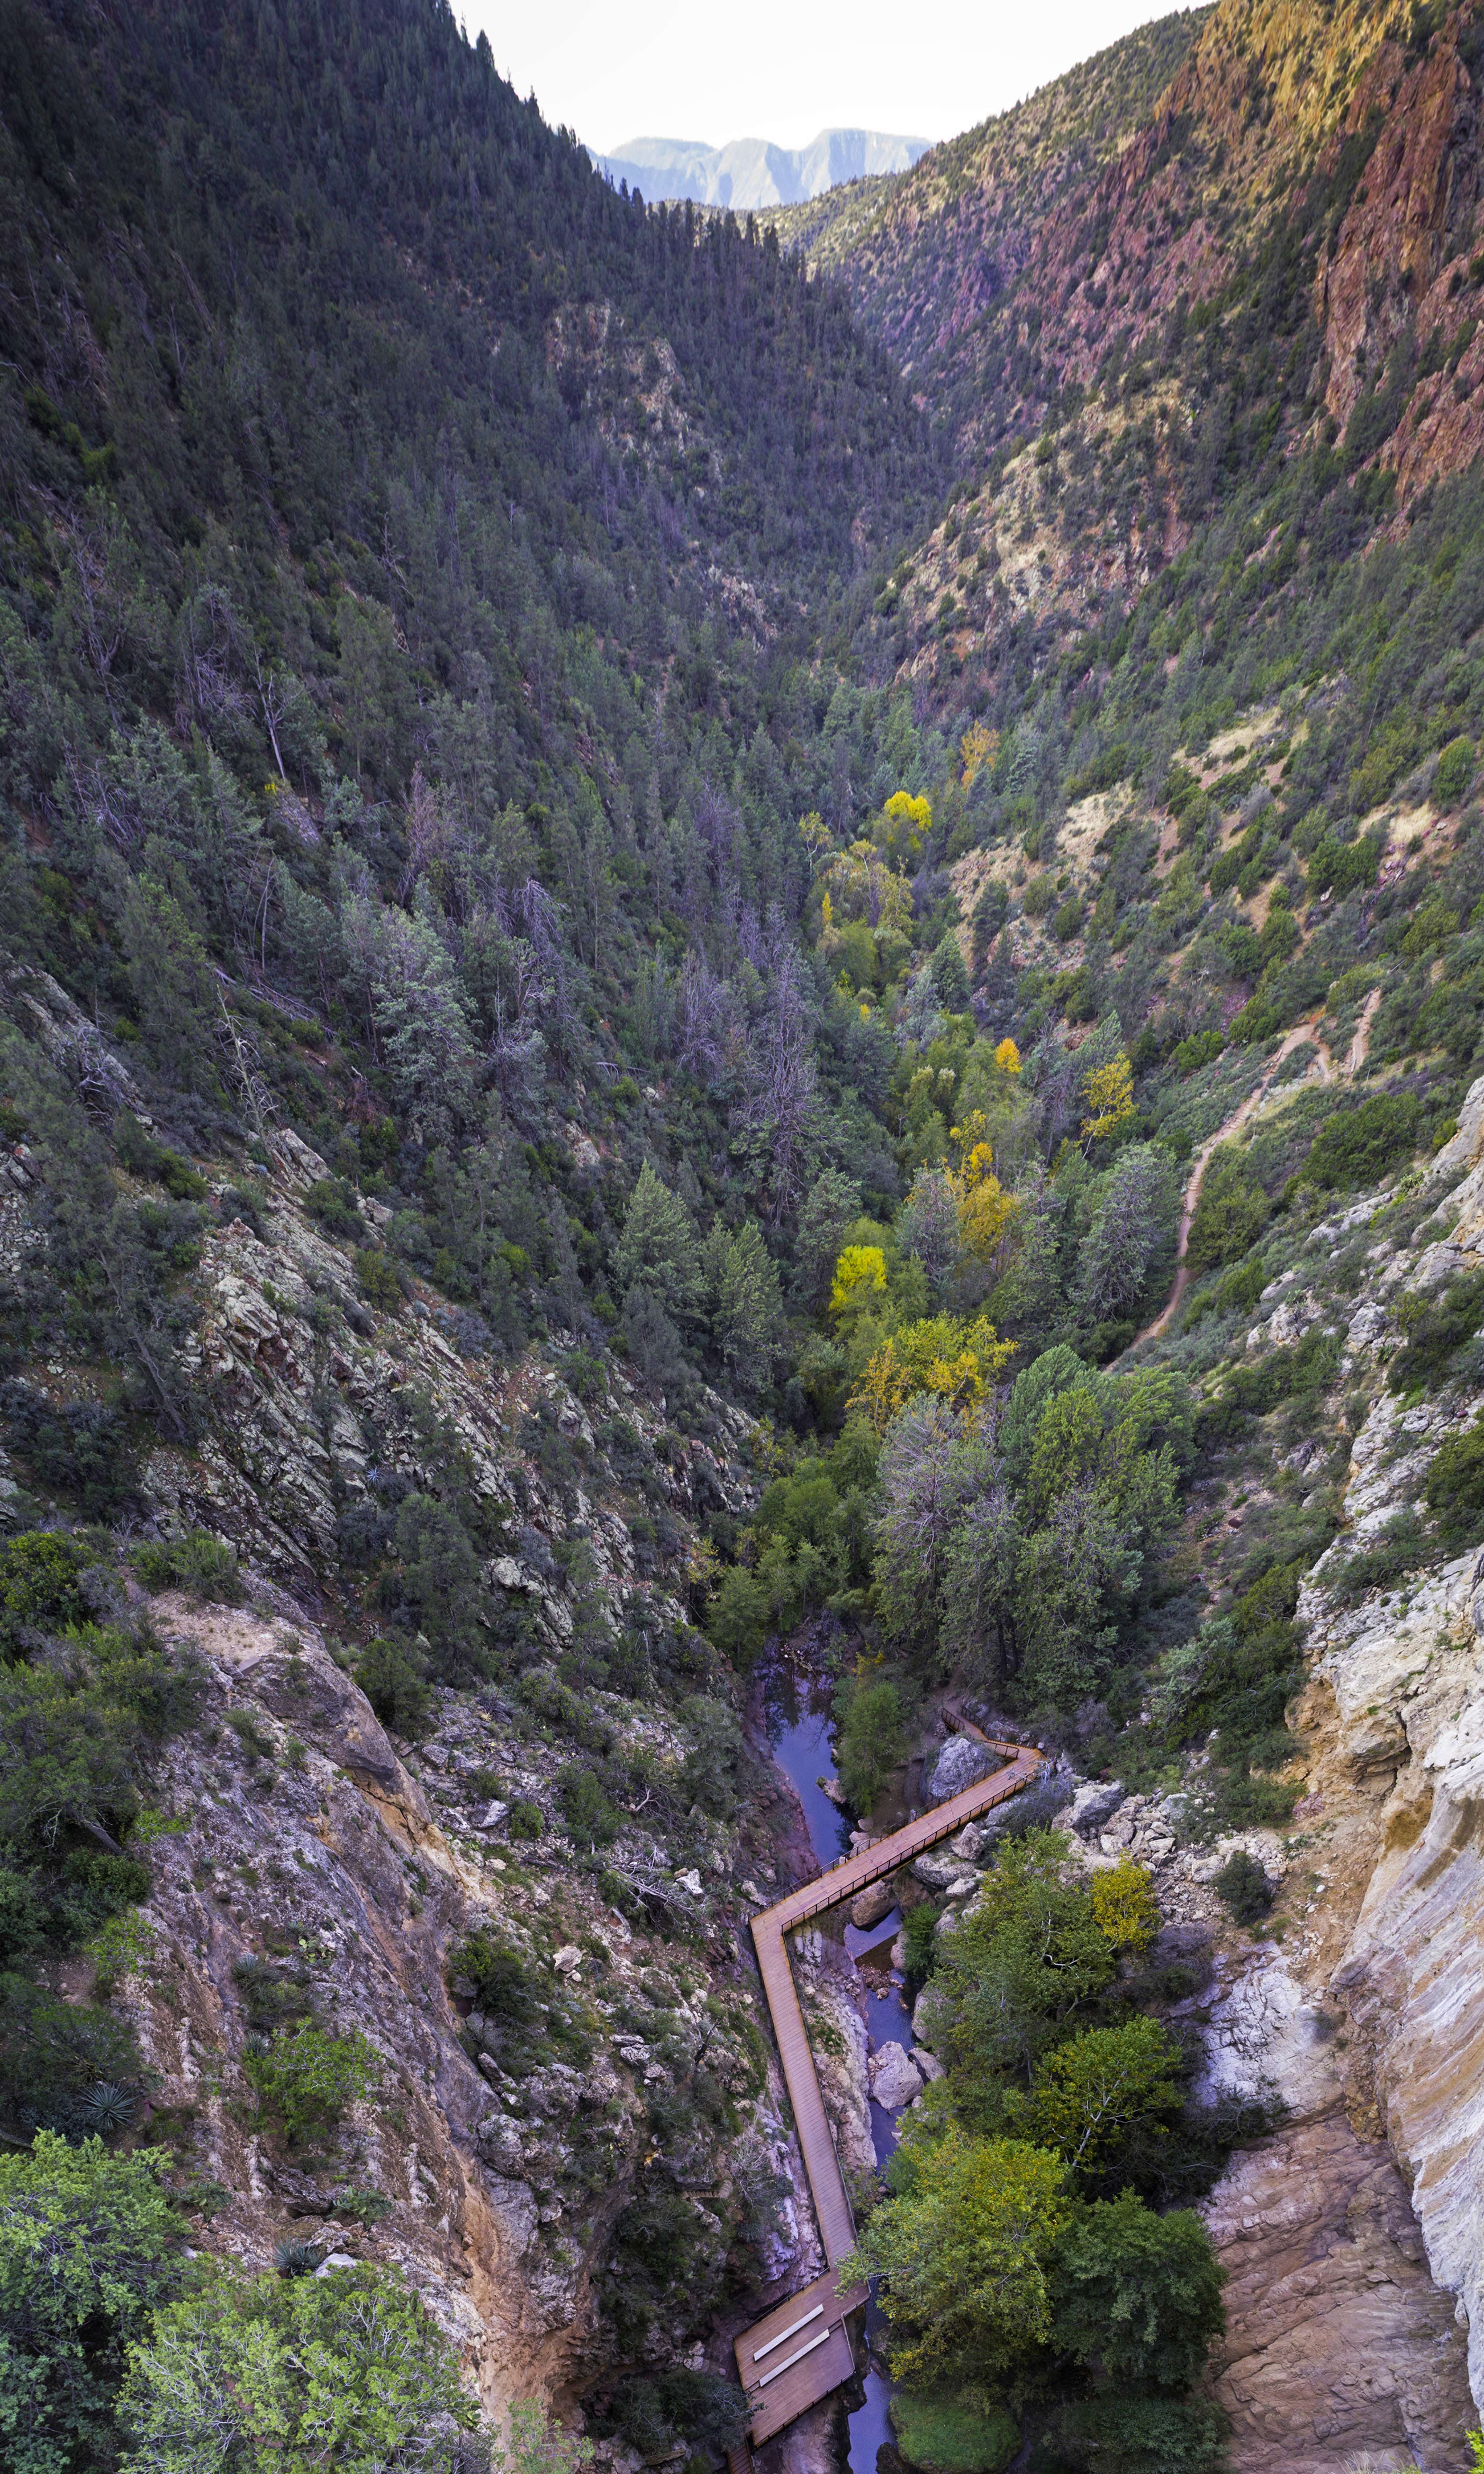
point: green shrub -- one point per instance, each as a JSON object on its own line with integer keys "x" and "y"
{"x": 590, "y": 1817}
{"x": 871, "y": 1741}
{"x": 39, "y": 1573}
{"x": 1229, "y": 1217}
{"x": 89, "y": 2249}
{"x": 333, "y": 1202}
{"x": 391, "y": 1675}
{"x": 1068, "y": 921}
{"x": 202, "y": 1566}
{"x": 1343, "y": 867}
{"x": 1136, "y": 2294}
{"x": 347, "y": 2370}
{"x": 139, "y": 1153}
{"x": 56, "y": 2055}
{"x": 737, "y": 1619}
{"x": 308, "y": 2076}
{"x": 951, "y": 2431}
{"x": 504, "y": 1985}
{"x": 1359, "y": 1145}
{"x": 1201, "y": 1048}
{"x": 1243, "y": 1888}
{"x": 1252, "y": 1391}
{"x": 1240, "y": 1289}
{"x": 1039, "y": 897}
{"x": 250, "y": 1734}
{"x": 694, "y": 2407}
{"x": 24, "y": 1917}
{"x": 1453, "y": 1487}
{"x": 76, "y": 1739}
{"x": 525, "y": 1820}
{"x": 77, "y": 1449}
{"x": 1258, "y": 1019}
{"x": 1398, "y": 1549}
{"x": 377, "y": 1277}
{"x": 920, "y": 1930}
{"x": 1436, "y": 1329}
{"x": 1454, "y": 773}
{"x": 1113, "y": 2433}
{"x": 273, "y": 1996}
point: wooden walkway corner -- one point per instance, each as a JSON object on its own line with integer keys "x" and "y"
{"x": 801, "y": 2349}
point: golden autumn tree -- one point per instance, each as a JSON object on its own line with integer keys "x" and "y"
{"x": 1107, "y": 1096}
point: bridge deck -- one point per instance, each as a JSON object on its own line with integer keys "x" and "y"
{"x": 817, "y": 2358}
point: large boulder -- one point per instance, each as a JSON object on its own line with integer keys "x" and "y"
{"x": 872, "y": 1906}
{"x": 961, "y": 1763}
{"x": 895, "y": 2079}
{"x": 1092, "y": 1807}
{"x": 943, "y": 1873}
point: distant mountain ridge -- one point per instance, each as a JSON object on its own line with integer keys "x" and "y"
{"x": 752, "y": 171}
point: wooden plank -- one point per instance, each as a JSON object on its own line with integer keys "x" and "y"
{"x": 760, "y": 2344}
{"x": 816, "y": 2144}
{"x": 855, "y": 1873}
{"x": 818, "y": 2355}
{"x": 805, "y": 2383}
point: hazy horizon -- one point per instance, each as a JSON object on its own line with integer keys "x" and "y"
{"x": 790, "y": 70}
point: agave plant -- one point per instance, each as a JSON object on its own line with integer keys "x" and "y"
{"x": 109, "y": 2107}
{"x": 293, "y": 2256}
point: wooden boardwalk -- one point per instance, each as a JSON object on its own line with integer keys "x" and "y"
{"x": 801, "y": 2349}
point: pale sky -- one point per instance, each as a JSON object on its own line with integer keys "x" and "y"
{"x": 785, "y": 70}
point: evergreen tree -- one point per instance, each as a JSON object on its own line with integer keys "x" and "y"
{"x": 657, "y": 1251}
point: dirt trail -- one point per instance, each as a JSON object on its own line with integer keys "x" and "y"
{"x": 1323, "y": 1070}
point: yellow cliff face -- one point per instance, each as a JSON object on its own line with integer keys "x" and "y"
{"x": 1303, "y": 59}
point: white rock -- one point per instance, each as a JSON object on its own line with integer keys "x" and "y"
{"x": 494, "y": 1814}
{"x": 894, "y": 2077}
{"x": 692, "y": 1880}
{"x": 962, "y": 1762}
{"x": 1093, "y": 1806}
{"x": 1367, "y": 1325}
{"x": 1436, "y": 1265}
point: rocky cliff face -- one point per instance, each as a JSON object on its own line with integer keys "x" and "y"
{"x": 1141, "y": 179}
{"x": 582, "y": 2188}
{"x": 1354, "y": 2238}
{"x": 309, "y": 1859}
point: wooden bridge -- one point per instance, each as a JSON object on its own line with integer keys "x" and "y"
{"x": 801, "y": 2349}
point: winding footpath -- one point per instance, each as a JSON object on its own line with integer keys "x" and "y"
{"x": 801, "y": 2349}
{"x": 1323, "y": 1070}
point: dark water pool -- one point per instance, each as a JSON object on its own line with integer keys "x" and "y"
{"x": 801, "y": 1734}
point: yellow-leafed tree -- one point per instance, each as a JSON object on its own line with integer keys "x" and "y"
{"x": 953, "y": 1359}
{"x": 979, "y": 746}
{"x": 860, "y": 1280}
{"x": 1107, "y": 1094}
{"x": 1125, "y": 1905}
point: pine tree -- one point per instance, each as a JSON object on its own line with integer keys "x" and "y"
{"x": 657, "y": 1250}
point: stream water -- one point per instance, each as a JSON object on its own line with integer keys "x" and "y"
{"x": 801, "y": 1736}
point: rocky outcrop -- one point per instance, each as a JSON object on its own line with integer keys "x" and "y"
{"x": 1338, "y": 2339}
{"x": 308, "y": 1861}
{"x": 829, "y": 1995}
{"x": 894, "y": 2077}
{"x": 1354, "y": 2241}
{"x": 961, "y": 1763}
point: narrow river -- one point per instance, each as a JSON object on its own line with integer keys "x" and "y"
{"x": 801, "y": 1734}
